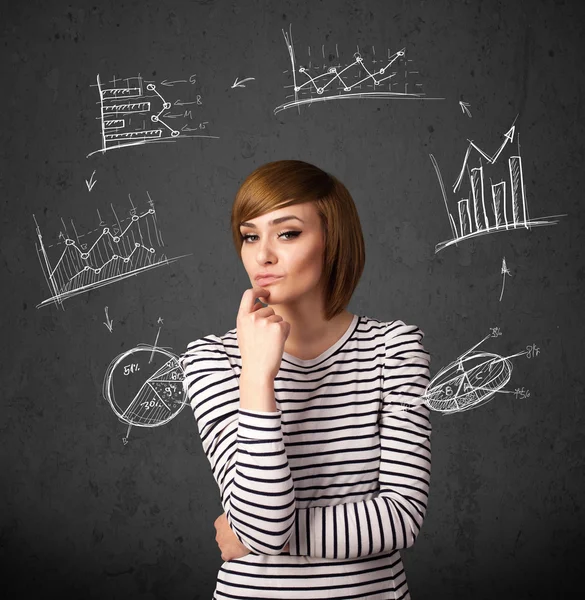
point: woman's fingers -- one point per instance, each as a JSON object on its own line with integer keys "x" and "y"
{"x": 249, "y": 298}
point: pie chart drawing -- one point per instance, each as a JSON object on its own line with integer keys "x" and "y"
{"x": 468, "y": 383}
{"x": 144, "y": 386}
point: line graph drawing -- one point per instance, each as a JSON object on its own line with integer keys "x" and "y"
{"x": 111, "y": 252}
{"x": 144, "y": 387}
{"x": 387, "y": 77}
{"x": 507, "y": 201}
{"x": 473, "y": 379}
{"x": 134, "y": 111}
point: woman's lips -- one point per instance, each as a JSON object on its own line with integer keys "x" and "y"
{"x": 267, "y": 280}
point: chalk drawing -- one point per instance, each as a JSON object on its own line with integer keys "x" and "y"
{"x": 364, "y": 75}
{"x": 111, "y": 252}
{"x": 508, "y": 209}
{"x": 144, "y": 387}
{"x": 135, "y": 111}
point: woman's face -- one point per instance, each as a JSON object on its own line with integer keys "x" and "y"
{"x": 291, "y": 249}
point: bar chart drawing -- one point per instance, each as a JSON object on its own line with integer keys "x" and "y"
{"x": 134, "y": 111}
{"x": 386, "y": 76}
{"x": 488, "y": 207}
{"x": 78, "y": 263}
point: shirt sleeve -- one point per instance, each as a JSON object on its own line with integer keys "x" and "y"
{"x": 391, "y": 520}
{"x": 245, "y": 449}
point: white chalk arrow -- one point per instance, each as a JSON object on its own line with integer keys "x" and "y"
{"x": 237, "y": 83}
{"x": 171, "y": 83}
{"x": 508, "y": 137}
{"x": 185, "y": 128}
{"x": 464, "y": 108}
{"x": 109, "y": 323}
{"x": 505, "y": 271}
{"x": 90, "y": 183}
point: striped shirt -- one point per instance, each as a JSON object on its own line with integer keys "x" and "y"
{"x": 340, "y": 471}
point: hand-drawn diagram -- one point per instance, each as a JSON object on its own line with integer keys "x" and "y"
{"x": 136, "y": 111}
{"x": 144, "y": 387}
{"x": 117, "y": 251}
{"x": 473, "y": 379}
{"x": 387, "y": 77}
{"x": 509, "y": 209}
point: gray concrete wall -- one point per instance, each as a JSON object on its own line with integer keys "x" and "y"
{"x": 88, "y": 516}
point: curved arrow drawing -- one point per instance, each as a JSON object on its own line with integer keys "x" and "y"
{"x": 237, "y": 83}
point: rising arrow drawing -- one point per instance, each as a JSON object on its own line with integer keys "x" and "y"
{"x": 505, "y": 271}
{"x": 464, "y": 108}
{"x": 508, "y": 137}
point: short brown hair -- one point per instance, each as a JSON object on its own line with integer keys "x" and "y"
{"x": 288, "y": 182}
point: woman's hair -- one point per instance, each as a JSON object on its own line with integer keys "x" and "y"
{"x": 288, "y": 182}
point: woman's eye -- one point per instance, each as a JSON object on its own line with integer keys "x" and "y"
{"x": 246, "y": 236}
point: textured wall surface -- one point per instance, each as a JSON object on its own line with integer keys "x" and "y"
{"x": 87, "y": 515}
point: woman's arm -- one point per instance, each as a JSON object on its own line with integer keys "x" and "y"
{"x": 393, "y": 519}
{"x": 244, "y": 447}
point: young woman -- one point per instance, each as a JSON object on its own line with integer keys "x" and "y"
{"x": 310, "y": 415}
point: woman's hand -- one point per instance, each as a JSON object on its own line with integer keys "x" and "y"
{"x": 226, "y": 539}
{"x": 261, "y": 335}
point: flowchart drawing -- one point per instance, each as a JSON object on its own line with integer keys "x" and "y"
{"x": 387, "y": 76}
{"x": 502, "y": 207}
{"x": 109, "y": 253}
{"x": 144, "y": 386}
{"x": 135, "y": 111}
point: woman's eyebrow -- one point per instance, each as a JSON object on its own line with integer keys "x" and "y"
{"x": 273, "y": 222}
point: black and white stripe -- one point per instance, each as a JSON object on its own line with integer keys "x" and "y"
{"x": 341, "y": 471}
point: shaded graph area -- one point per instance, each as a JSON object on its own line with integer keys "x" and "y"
{"x": 111, "y": 252}
{"x": 387, "y": 75}
{"x": 485, "y": 202}
{"x": 144, "y": 386}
